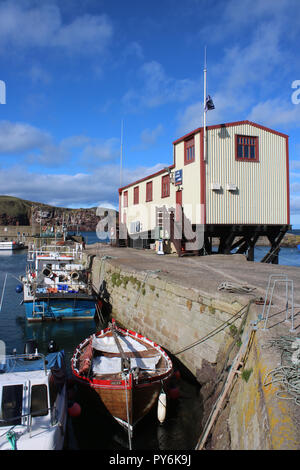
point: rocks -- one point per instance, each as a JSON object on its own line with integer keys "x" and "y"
{"x": 15, "y": 211}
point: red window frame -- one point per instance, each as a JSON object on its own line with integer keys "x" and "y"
{"x": 246, "y": 148}
{"x": 165, "y": 186}
{"x": 125, "y": 199}
{"x": 149, "y": 194}
{"x": 189, "y": 151}
{"x": 136, "y": 195}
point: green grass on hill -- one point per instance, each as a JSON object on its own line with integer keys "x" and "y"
{"x": 14, "y": 206}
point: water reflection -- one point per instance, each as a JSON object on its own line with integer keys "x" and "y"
{"x": 95, "y": 428}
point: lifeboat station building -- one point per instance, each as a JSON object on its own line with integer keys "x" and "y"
{"x": 227, "y": 186}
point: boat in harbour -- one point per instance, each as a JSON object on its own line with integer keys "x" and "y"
{"x": 11, "y": 245}
{"x": 33, "y": 400}
{"x": 56, "y": 285}
{"x": 127, "y": 371}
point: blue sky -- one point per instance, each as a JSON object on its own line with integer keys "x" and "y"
{"x": 75, "y": 69}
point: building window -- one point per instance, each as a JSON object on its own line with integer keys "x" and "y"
{"x": 136, "y": 195}
{"x": 165, "y": 186}
{"x": 189, "y": 151}
{"x": 149, "y": 191}
{"x": 246, "y": 148}
{"x": 125, "y": 200}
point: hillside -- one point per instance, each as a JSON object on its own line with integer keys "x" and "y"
{"x": 15, "y": 211}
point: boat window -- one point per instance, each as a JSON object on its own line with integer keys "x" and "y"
{"x": 11, "y": 405}
{"x": 39, "y": 400}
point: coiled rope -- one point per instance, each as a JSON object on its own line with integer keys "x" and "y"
{"x": 288, "y": 373}
{"x": 236, "y": 288}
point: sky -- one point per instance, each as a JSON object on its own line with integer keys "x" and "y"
{"x": 76, "y": 75}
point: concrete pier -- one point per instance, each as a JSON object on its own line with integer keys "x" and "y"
{"x": 178, "y": 303}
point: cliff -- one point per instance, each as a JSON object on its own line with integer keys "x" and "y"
{"x": 15, "y": 211}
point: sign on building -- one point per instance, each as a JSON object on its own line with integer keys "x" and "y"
{"x": 178, "y": 177}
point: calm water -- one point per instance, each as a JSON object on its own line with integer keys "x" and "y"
{"x": 180, "y": 430}
{"x": 95, "y": 429}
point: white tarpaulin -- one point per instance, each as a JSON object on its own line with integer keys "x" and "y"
{"x": 108, "y": 344}
{"x": 106, "y": 365}
{"x": 112, "y": 365}
{"x": 145, "y": 362}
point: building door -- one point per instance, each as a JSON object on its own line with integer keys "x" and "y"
{"x": 178, "y": 206}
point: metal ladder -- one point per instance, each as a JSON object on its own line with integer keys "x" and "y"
{"x": 38, "y": 308}
{"x": 279, "y": 278}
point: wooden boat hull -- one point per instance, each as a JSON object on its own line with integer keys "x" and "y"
{"x": 139, "y": 399}
{"x": 129, "y": 397}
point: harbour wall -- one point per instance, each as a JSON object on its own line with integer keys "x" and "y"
{"x": 197, "y": 328}
{"x": 171, "y": 315}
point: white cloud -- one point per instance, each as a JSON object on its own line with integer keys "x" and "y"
{"x": 101, "y": 150}
{"x": 36, "y": 146}
{"x": 253, "y": 78}
{"x": 39, "y": 75}
{"x": 295, "y": 188}
{"x": 71, "y": 190}
{"x": 276, "y": 113}
{"x": 20, "y": 137}
{"x": 41, "y": 26}
{"x": 87, "y": 33}
{"x": 295, "y": 205}
{"x": 149, "y": 137}
{"x": 133, "y": 49}
{"x": 157, "y": 88}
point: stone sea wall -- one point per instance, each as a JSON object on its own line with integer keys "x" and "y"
{"x": 176, "y": 317}
{"x": 254, "y": 417}
{"x": 171, "y": 315}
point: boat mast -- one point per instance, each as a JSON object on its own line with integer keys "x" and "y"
{"x": 125, "y": 362}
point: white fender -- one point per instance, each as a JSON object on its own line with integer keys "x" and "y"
{"x": 162, "y": 407}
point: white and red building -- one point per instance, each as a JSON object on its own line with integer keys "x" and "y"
{"x": 236, "y": 190}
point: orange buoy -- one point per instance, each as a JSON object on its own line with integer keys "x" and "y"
{"x": 74, "y": 410}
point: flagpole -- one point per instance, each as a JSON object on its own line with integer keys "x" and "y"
{"x": 121, "y": 153}
{"x": 204, "y": 106}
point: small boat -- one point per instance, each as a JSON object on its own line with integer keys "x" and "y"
{"x": 33, "y": 400}
{"x": 127, "y": 370}
{"x": 11, "y": 245}
{"x": 56, "y": 284}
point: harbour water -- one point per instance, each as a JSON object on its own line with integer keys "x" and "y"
{"x": 94, "y": 429}
{"x": 91, "y": 430}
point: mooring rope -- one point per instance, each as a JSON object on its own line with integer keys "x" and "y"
{"x": 217, "y": 330}
{"x": 288, "y": 373}
{"x": 127, "y": 411}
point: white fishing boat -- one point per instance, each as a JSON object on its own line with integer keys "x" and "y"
{"x": 33, "y": 401}
{"x": 56, "y": 284}
{"x": 11, "y": 245}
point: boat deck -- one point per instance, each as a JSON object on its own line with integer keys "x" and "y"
{"x": 65, "y": 295}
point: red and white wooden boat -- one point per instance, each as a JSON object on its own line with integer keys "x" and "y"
{"x": 127, "y": 370}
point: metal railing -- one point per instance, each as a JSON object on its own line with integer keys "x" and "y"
{"x": 29, "y": 357}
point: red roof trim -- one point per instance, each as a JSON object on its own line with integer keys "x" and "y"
{"x": 195, "y": 131}
{"x": 229, "y": 124}
{"x": 164, "y": 170}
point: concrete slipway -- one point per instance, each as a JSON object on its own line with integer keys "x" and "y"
{"x": 217, "y": 334}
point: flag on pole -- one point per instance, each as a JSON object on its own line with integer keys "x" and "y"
{"x": 209, "y": 105}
